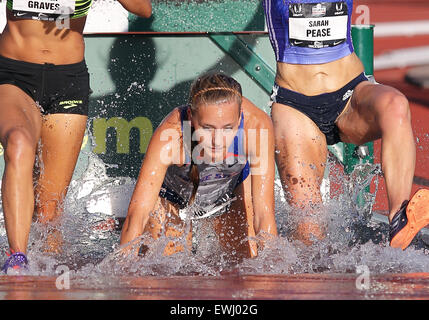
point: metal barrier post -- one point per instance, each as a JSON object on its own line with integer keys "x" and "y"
{"x": 363, "y": 42}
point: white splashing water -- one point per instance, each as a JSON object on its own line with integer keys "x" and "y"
{"x": 90, "y": 250}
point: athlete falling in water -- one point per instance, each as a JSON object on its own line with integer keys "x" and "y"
{"x": 199, "y": 166}
{"x": 321, "y": 96}
{"x": 44, "y": 90}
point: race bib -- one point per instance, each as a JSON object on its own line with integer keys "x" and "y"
{"x": 42, "y": 9}
{"x": 318, "y": 25}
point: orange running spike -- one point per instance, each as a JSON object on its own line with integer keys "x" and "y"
{"x": 417, "y": 212}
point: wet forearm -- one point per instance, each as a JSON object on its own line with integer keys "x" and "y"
{"x": 264, "y": 225}
{"x": 133, "y": 228}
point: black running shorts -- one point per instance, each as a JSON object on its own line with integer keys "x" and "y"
{"x": 323, "y": 109}
{"x": 55, "y": 88}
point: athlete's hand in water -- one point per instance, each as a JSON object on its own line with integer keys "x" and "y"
{"x": 131, "y": 249}
{"x": 264, "y": 240}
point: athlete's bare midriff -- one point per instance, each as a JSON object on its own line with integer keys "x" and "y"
{"x": 311, "y": 80}
{"x": 42, "y": 41}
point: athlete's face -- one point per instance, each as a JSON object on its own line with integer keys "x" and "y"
{"x": 215, "y": 127}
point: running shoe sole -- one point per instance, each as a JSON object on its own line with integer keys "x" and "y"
{"x": 418, "y": 217}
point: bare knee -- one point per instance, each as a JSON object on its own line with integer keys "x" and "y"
{"x": 19, "y": 146}
{"x": 394, "y": 110}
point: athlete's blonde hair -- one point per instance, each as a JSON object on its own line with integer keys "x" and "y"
{"x": 213, "y": 88}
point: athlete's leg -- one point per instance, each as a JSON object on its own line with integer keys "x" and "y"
{"x": 165, "y": 220}
{"x": 20, "y": 127}
{"x": 379, "y": 111}
{"x": 61, "y": 141}
{"x": 236, "y": 226}
{"x": 301, "y": 158}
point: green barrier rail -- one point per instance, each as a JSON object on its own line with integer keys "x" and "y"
{"x": 246, "y": 57}
{"x": 363, "y": 42}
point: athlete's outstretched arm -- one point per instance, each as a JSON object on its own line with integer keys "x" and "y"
{"x": 262, "y": 166}
{"x": 159, "y": 156}
{"x": 142, "y": 8}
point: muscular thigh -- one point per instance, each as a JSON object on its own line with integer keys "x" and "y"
{"x": 18, "y": 111}
{"x": 363, "y": 120}
{"x": 301, "y": 149}
{"x": 61, "y": 141}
